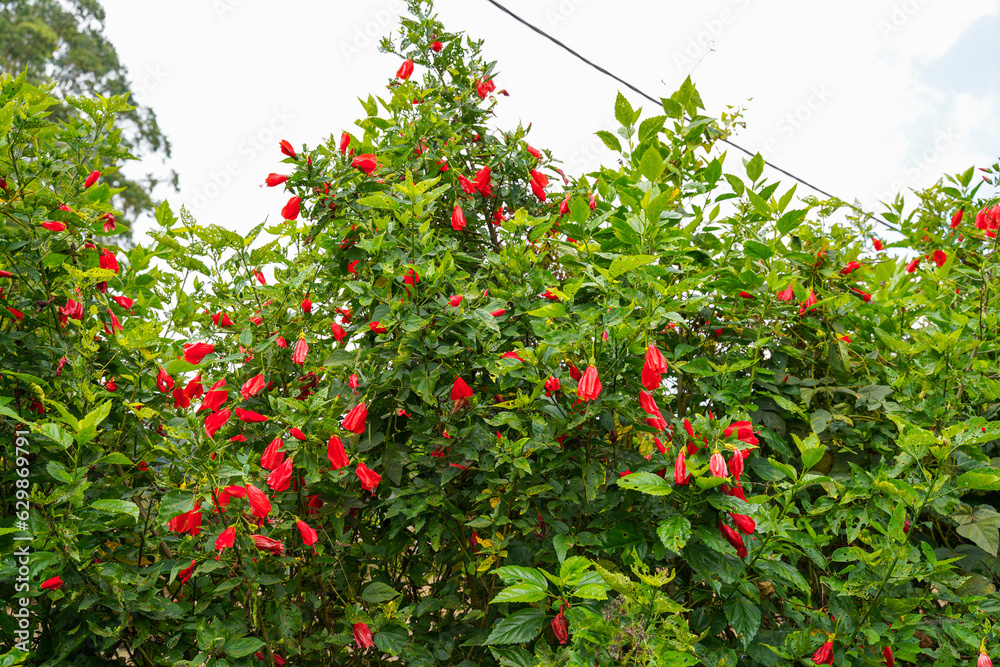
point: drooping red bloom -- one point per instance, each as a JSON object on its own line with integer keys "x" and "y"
{"x": 376, "y": 327}
{"x": 560, "y": 627}
{"x": 91, "y": 179}
{"x": 181, "y": 400}
{"x": 734, "y": 539}
{"x": 221, "y": 319}
{"x": 808, "y": 304}
{"x": 552, "y": 385}
{"x": 287, "y": 149}
{"x": 108, "y": 260}
{"x": 850, "y": 268}
{"x": 275, "y": 179}
{"x": 281, "y": 342}
{"x": 912, "y": 266}
{"x": 55, "y": 582}
{"x": 225, "y": 540}
{"x": 188, "y": 522}
{"x": 865, "y": 296}
{"x": 250, "y": 417}
{"x": 193, "y": 354}
{"x": 984, "y": 660}
{"x": 456, "y": 300}
{"x": 363, "y": 636}
{"x": 269, "y": 544}
{"x": 369, "y": 478}
{"x": 309, "y": 536}
{"x": 786, "y": 294}
{"x": 498, "y": 312}
{"x": 878, "y": 245}
{"x": 457, "y": 219}
{"x": 124, "y": 302}
{"x": 260, "y": 506}
{"x": 335, "y": 452}
{"x": 940, "y": 257}
{"x": 589, "y": 387}
{"x": 460, "y": 390}
{"x": 185, "y": 575}
{"x": 300, "y": 352}
{"x": 411, "y": 277}
{"x": 215, "y": 421}
{"x": 890, "y": 659}
{"x": 824, "y": 654}
{"x": 345, "y": 141}
{"x": 307, "y": 306}
{"x": 163, "y": 381}
{"x": 352, "y": 382}
{"x": 354, "y": 421}
{"x": 252, "y": 387}
{"x": 511, "y": 355}
{"x": 352, "y": 267}
{"x": 744, "y": 432}
{"x": 653, "y": 368}
{"x": 436, "y": 47}
{"x": 688, "y": 428}
{"x": 468, "y": 187}
{"x": 272, "y": 456}
{"x": 746, "y": 524}
{"x": 72, "y": 310}
{"x": 405, "y": 70}
{"x": 290, "y": 211}
{"x": 338, "y": 331}
{"x": 54, "y": 226}
{"x": 482, "y": 181}
{"x": 717, "y": 465}
{"x": 280, "y": 477}
{"x": 366, "y": 163}
{"x": 957, "y": 218}
{"x": 681, "y": 476}
{"x": 484, "y": 88}
{"x": 297, "y": 434}
{"x": 216, "y": 396}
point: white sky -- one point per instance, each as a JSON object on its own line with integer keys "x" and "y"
{"x": 862, "y": 98}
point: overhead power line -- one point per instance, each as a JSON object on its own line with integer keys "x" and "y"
{"x": 658, "y": 102}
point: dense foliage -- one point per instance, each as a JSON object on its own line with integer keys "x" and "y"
{"x": 457, "y": 408}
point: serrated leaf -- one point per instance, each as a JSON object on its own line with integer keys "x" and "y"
{"x": 983, "y": 479}
{"x": 610, "y": 140}
{"x": 674, "y": 532}
{"x": 242, "y": 647}
{"x": 623, "y": 110}
{"x": 755, "y": 167}
{"x": 528, "y": 592}
{"x": 520, "y": 627}
{"x": 744, "y": 616}
{"x": 646, "y": 482}
{"x": 621, "y": 265}
{"x": 651, "y": 164}
{"x": 116, "y": 507}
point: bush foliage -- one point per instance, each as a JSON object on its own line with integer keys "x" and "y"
{"x": 665, "y": 413}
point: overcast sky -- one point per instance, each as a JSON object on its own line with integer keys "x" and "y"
{"x": 862, "y": 98}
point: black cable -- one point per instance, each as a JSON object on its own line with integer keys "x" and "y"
{"x": 658, "y": 102}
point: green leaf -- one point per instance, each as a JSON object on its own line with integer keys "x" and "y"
{"x": 529, "y": 592}
{"x": 379, "y": 200}
{"x": 377, "y": 592}
{"x": 610, "y": 140}
{"x": 56, "y": 433}
{"x": 812, "y": 456}
{"x": 744, "y": 616}
{"x": 646, "y": 482}
{"x": 511, "y": 574}
{"x": 622, "y": 265}
{"x": 755, "y": 167}
{"x": 623, "y": 111}
{"x": 983, "y": 479}
{"x": 674, "y": 532}
{"x": 757, "y": 250}
{"x": 242, "y": 647}
{"x": 58, "y": 472}
{"x": 549, "y": 310}
{"x": 572, "y": 569}
{"x": 982, "y": 527}
{"x": 651, "y": 127}
{"x": 651, "y": 164}
{"x": 112, "y": 506}
{"x": 520, "y": 627}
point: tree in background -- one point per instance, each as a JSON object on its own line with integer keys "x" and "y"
{"x": 63, "y": 41}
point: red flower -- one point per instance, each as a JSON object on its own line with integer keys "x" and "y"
{"x": 269, "y": 544}
{"x": 281, "y": 342}
{"x": 552, "y": 386}
{"x": 890, "y": 659}
{"x": 457, "y": 219}
{"x": 221, "y": 319}
{"x": 956, "y": 220}
{"x": 717, "y": 465}
{"x": 436, "y": 47}
{"x": 744, "y": 432}
{"x": 786, "y": 294}
{"x": 653, "y": 368}
{"x": 108, "y": 260}
{"x": 275, "y": 179}
{"x": 363, "y": 636}
{"x": 111, "y": 386}
{"x": 354, "y": 421}
{"x": 72, "y": 310}
{"x": 124, "y": 302}
{"x": 345, "y": 141}
{"x": 559, "y": 628}
{"x": 824, "y": 654}
{"x": 808, "y": 303}
{"x": 468, "y": 187}
{"x": 460, "y": 390}
{"x": 940, "y": 257}
{"x": 252, "y": 387}
{"x": 184, "y": 575}
{"x": 297, "y": 434}
{"x": 338, "y": 331}
{"x": 912, "y": 266}
{"x": 193, "y": 354}
{"x": 864, "y": 295}
{"x": 280, "y": 477}
{"x": 534, "y": 152}
{"x": 511, "y": 355}
{"x": 589, "y": 387}
{"x": 215, "y": 421}
{"x": 250, "y": 416}
{"x": 456, "y": 300}
{"x": 300, "y": 352}
{"x": 54, "y": 226}
{"x": 746, "y": 295}
{"x": 484, "y": 88}
{"x": 736, "y": 464}
{"x": 309, "y": 536}
{"x": 352, "y": 382}
{"x": 851, "y": 267}
{"x": 352, "y": 267}
{"x": 260, "y": 506}
{"x": 681, "y": 476}
{"x": 877, "y": 244}
{"x": 369, "y": 478}
{"x": 91, "y": 179}
{"x": 498, "y": 217}
{"x": 163, "y": 381}
{"x": 109, "y": 222}
{"x": 287, "y": 149}
{"x": 18, "y": 315}
{"x": 405, "y": 70}
{"x": 54, "y": 582}
{"x": 225, "y": 540}
{"x": 314, "y": 504}
{"x": 188, "y": 522}
{"x": 366, "y": 163}
{"x": 335, "y": 452}
{"x": 291, "y": 210}
{"x": 216, "y": 396}
{"x": 272, "y": 456}
{"x": 498, "y": 312}
{"x": 482, "y": 181}
{"x": 734, "y": 539}
{"x": 181, "y": 400}
{"x": 376, "y": 327}
{"x": 744, "y": 523}
{"x": 984, "y": 660}
{"x": 307, "y": 306}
